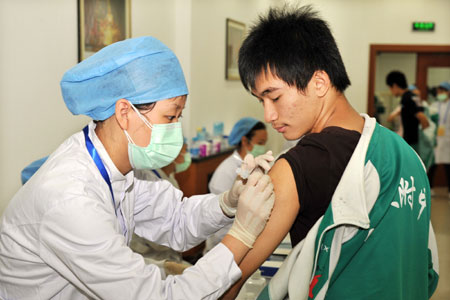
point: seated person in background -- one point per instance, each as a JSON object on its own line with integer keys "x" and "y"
{"x": 337, "y": 191}
{"x": 249, "y": 135}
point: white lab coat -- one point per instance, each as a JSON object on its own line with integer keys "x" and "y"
{"x": 221, "y": 181}
{"x": 442, "y": 151}
{"x": 60, "y": 237}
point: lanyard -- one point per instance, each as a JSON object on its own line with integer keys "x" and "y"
{"x": 157, "y": 174}
{"x": 446, "y": 113}
{"x": 96, "y": 157}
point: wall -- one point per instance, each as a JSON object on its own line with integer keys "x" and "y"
{"x": 209, "y": 91}
{"x": 39, "y": 43}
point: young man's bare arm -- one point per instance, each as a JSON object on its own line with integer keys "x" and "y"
{"x": 422, "y": 119}
{"x": 283, "y": 215}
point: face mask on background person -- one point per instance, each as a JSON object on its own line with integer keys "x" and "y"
{"x": 258, "y": 150}
{"x": 165, "y": 144}
{"x": 184, "y": 165}
{"x": 442, "y": 97}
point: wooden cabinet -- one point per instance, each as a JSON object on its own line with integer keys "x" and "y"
{"x": 194, "y": 181}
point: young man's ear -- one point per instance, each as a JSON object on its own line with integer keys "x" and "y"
{"x": 321, "y": 83}
{"x": 122, "y": 111}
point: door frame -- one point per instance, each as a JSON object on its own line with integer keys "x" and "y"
{"x": 375, "y": 49}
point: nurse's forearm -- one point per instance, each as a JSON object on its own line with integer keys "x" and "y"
{"x": 236, "y": 247}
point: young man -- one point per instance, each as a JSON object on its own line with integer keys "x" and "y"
{"x": 411, "y": 110}
{"x": 353, "y": 195}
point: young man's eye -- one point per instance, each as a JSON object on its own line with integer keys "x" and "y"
{"x": 276, "y": 99}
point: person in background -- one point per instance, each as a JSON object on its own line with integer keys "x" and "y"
{"x": 66, "y": 232}
{"x": 441, "y": 109}
{"x": 249, "y": 135}
{"x": 426, "y": 136}
{"x": 353, "y": 195}
{"x": 411, "y": 113}
{"x": 29, "y": 170}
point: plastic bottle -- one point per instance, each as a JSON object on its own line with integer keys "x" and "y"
{"x": 254, "y": 285}
{"x": 194, "y": 148}
{"x": 217, "y": 139}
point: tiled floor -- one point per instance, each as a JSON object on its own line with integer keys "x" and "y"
{"x": 440, "y": 218}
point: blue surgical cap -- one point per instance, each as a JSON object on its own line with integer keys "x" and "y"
{"x": 141, "y": 70}
{"x": 445, "y": 85}
{"x": 240, "y": 129}
{"x": 31, "y": 169}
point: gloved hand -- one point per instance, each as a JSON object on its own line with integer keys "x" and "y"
{"x": 250, "y": 163}
{"x": 254, "y": 208}
{"x": 229, "y": 199}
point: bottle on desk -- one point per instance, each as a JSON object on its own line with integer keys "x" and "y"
{"x": 253, "y": 286}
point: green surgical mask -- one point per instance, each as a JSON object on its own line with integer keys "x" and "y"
{"x": 258, "y": 150}
{"x": 165, "y": 144}
{"x": 184, "y": 165}
{"x": 442, "y": 97}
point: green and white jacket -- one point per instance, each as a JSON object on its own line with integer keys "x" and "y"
{"x": 375, "y": 241}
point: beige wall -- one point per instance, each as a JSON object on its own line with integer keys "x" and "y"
{"x": 39, "y": 43}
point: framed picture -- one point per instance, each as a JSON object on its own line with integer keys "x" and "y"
{"x": 234, "y": 37}
{"x": 101, "y": 23}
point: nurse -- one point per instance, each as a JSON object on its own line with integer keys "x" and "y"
{"x": 442, "y": 150}
{"x": 249, "y": 135}
{"x": 65, "y": 234}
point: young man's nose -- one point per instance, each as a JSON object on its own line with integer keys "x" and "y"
{"x": 270, "y": 113}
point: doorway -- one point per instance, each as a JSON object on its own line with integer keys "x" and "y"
{"x": 425, "y": 65}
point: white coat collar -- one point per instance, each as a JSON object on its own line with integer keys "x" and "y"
{"x": 237, "y": 156}
{"x": 349, "y": 203}
{"x": 120, "y": 182}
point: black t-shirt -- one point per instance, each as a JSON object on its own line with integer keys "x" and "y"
{"x": 409, "y": 120}
{"x": 318, "y": 162}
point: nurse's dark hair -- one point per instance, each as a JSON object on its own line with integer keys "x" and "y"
{"x": 146, "y": 107}
{"x": 251, "y": 133}
{"x": 398, "y": 78}
{"x": 293, "y": 42}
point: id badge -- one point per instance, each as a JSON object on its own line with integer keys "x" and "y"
{"x": 441, "y": 131}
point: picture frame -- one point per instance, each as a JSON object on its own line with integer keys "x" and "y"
{"x": 101, "y": 23}
{"x": 235, "y": 33}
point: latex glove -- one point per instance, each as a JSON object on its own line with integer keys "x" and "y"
{"x": 254, "y": 208}
{"x": 229, "y": 200}
{"x": 250, "y": 163}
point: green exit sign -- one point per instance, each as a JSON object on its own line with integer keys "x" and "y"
{"x": 423, "y": 26}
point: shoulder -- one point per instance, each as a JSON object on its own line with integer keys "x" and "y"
{"x": 331, "y": 139}
{"x": 284, "y": 183}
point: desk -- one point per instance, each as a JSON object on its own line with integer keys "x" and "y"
{"x": 194, "y": 181}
